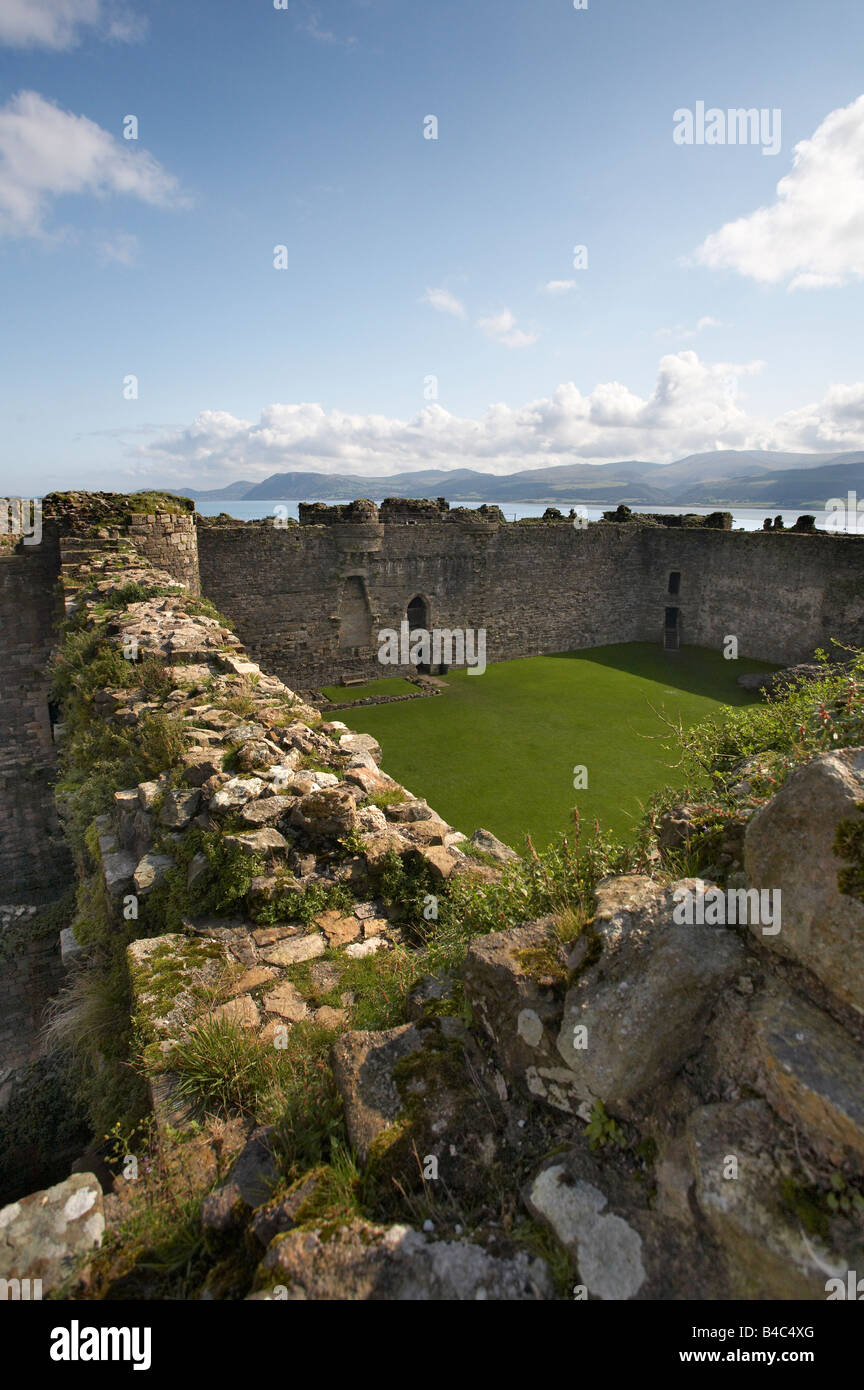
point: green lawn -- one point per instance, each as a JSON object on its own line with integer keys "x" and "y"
{"x": 498, "y": 750}
{"x": 390, "y": 685}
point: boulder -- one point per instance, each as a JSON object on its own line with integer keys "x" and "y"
{"x": 296, "y": 949}
{"x": 327, "y": 814}
{"x": 370, "y": 781}
{"x": 739, "y": 1191}
{"x": 810, "y": 1069}
{"x": 275, "y": 1218}
{"x": 236, "y": 792}
{"x": 378, "y": 847}
{"x": 359, "y": 949}
{"x": 515, "y": 981}
{"x": 607, "y": 1248}
{"x": 147, "y": 794}
{"x": 179, "y": 807}
{"x": 150, "y": 872}
{"x": 267, "y": 810}
{"x": 249, "y": 1183}
{"x": 253, "y": 754}
{"x": 338, "y": 929}
{"x": 789, "y": 845}
{"x": 634, "y": 1015}
{"x": 621, "y": 1246}
{"x": 363, "y": 1065}
{"x": 395, "y": 1264}
{"x": 265, "y": 841}
{"x": 440, "y": 861}
{"x": 48, "y": 1234}
{"x": 411, "y": 810}
{"x": 119, "y": 870}
{"x": 487, "y": 842}
{"x": 287, "y": 1001}
{"x": 363, "y": 744}
{"x": 242, "y": 1010}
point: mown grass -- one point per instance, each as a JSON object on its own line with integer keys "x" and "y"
{"x": 390, "y": 685}
{"x": 499, "y": 750}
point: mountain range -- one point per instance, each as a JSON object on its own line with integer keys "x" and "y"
{"x": 722, "y": 477}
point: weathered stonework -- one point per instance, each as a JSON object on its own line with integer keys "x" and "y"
{"x": 308, "y": 600}
{"x": 694, "y": 1018}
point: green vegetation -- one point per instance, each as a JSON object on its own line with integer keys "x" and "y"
{"x": 390, "y": 685}
{"x": 499, "y": 750}
{"x": 602, "y": 1131}
{"x": 149, "y": 501}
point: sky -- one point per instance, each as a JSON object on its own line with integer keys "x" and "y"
{"x": 345, "y": 237}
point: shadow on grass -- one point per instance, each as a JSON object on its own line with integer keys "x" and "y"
{"x": 695, "y": 670}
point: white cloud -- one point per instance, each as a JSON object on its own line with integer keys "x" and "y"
{"x": 501, "y": 328}
{"x": 559, "y": 286}
{"x": 58, "y": 24}
{"x": 837, "y": 422}
{"x": 47, "y": 153}
{"x": 813, "y": 235}
{"x": 310, "y": 24}
{"x": 121, "y": 247}
{"x": 444, "y": 302}
{"x": 694, "y": 406}
{"x": 682, "y": 331}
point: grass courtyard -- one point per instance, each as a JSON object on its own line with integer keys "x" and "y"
{"x": 499, "y": 750}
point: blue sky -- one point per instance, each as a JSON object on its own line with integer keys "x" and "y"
{"x": 699, "y": 322}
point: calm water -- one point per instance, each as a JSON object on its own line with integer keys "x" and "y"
{"x": 748, "y": 518}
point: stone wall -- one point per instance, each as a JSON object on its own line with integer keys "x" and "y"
{"x": 169, "y": 542}
{"x": 31, "y": 856}
{"x": 34, "y": 862}
{"x": 297, "y": 594}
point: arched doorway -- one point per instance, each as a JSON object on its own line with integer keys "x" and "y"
{"x": 417, "y": 614}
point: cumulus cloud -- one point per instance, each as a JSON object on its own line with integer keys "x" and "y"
{"x": 501, "y": 328}
{"x": 559, "y": 286}
{"x": 813, "y": 235}
{"x": 47, "y": 153}
{"x": 60, "y": 24}
{"x": 444, "y": 302}
{"x": 836, "y": 422}
{"x": 694, "y": 406}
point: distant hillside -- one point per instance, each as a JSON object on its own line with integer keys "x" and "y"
{"x": 753, "y": 477}
{"x": 810, "y": 488}
{"x": 732, "y": 463}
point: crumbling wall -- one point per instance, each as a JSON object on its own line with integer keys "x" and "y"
{"x": 545, "y": 587}
{"x": 30, "y": 856}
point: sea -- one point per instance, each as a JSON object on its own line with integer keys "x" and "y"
{"x": 743, "y": 518}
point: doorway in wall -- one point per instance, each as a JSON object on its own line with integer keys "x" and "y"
{"x": 417, "y": 614}
{"x": 672, "y": 629}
